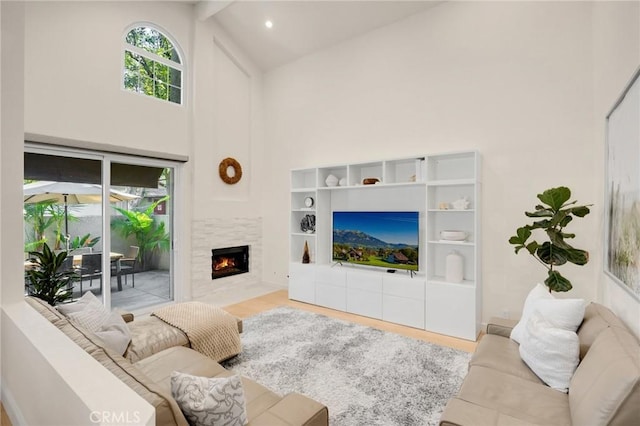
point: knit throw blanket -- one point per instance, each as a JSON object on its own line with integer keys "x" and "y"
{"x": 211, "y": 331}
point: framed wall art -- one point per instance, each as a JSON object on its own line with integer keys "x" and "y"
{"x": 622, "y": 192}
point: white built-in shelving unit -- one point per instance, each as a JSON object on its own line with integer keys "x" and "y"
{"x": 424, "y": 300}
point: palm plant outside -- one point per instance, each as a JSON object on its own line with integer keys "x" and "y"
{"x": 150, "y": 234}
{"x": 42, "y": 216}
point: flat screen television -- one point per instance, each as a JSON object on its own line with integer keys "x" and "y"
{"x": 380, "y": 239}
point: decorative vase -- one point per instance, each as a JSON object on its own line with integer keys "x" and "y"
{"x": 305, "y": 254}
{"x": 331, "y": 180}
{"x": 454, "y": 268}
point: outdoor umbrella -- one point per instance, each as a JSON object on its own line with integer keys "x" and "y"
{"x": 70, "y": 193}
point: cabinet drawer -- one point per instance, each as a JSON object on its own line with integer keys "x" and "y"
{"x": 331, "y": 276}
{"x": 403, "y": 311}
{"x": 331, "y": 296}
{"x": 364, "y": 303}
{"x": 412, "y": 288}
{"x": 365, "y": 280}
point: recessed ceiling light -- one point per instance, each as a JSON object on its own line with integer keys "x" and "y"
{"x": 268, "y": 24}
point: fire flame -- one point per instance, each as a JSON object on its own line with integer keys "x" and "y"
{"x": 224, "y": 263}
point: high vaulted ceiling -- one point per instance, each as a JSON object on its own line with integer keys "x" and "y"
{"x": 301, "y": 27}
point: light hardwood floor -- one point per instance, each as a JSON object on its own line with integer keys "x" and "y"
{"x": 280, "y": 298}
{"x": 4, "y": 419}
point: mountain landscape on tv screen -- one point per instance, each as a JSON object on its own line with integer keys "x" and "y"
{"x": 359, "y": 238}
{"x": 361, "y": 248}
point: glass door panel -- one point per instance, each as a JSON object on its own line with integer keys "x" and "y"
{"x": 141, "y": 235}
{"x": 63, "y": 211}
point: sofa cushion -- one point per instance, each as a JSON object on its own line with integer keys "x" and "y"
{"x": 210, "y": 401}
{"x": 502, "y": 354}
{"x": 605, "y": 388}
{"x": 458, "y": 412}
{"x": 515, "y": 397}
{"x": 160, "y": 366}
{"x": 597, "y": 318}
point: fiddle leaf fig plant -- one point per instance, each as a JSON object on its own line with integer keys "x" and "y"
{"x": 554, "y": 214}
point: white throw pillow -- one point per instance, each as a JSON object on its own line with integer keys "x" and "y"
{"x": 540, "y": 291}
{"x": 562, "y": 313}
{"x": 87, "y": 299}
{"x": 90, "y": 314}
{"x": 115, "y": 333}
{"x": 91, "y": 317}
{"x": 210, "y": 401}
{"x": 551, "y": 352}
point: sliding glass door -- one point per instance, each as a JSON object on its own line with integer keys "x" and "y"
{"x": 111, "y": 214}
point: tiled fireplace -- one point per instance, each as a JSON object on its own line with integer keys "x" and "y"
{"x": 229, "y": 261}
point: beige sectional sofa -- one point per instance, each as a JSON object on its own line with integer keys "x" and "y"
{"x": 149, "y": 374}
{"x": 500, "y": 389}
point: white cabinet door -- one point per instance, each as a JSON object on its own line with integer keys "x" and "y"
{"x": 365, "y": 303}
{"x": 450, "y": 310}
{"x": 403, "y": 286}
{"x": 403, "y": 311}
{"x": 331, "y": 296}
{"x": 302, "y": 282}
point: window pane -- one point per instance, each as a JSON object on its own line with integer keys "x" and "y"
{"x": 160, "y": 90}
{"x": 161, "y": 72}
{"x": 131, "y": 81}
{"x": 175, "y": 77}
{"x": 175, "y": 95}
{"x": 152, "y": 41}
{"x": 146, "y": 85}
{"x": 131, "y": 61}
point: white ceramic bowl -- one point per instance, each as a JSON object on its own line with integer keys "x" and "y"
{"x": 450, "y": 235}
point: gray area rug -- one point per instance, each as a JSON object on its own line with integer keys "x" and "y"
{"x": 365, "y": 376}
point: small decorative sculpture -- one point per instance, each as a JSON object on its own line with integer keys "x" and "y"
{"x": 443, "y": 206}
{"x": 331, "y": 180}
{"x": 305, "y": 254}
{"x": 342, "y": 182}
{"x": 461, "y": 203}
{"x": 308, "y": 223}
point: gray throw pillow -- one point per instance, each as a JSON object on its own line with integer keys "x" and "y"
{"x": 208, "y": 401}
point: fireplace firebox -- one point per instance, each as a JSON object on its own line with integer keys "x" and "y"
{"x": 229, "y": 261}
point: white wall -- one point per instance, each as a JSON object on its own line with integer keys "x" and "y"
{"x": 511, "y": 79}
{"x": 73, "y": 75}
{"x": 227, "y": 123}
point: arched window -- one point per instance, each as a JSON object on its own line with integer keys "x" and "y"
{"x": 152, "y": 64}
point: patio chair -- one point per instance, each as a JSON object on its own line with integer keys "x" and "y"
{"x": 91, "y": 267}
{"x": 128, "y": 264}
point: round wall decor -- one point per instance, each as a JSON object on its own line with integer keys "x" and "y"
{"x": 223, "y": 170}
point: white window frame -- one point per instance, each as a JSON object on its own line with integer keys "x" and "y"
{"x": 152, "y": 56}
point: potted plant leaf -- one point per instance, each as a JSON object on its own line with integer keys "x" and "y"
{"x": 552, "y": 216}
{"x": 48, "y": 279}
